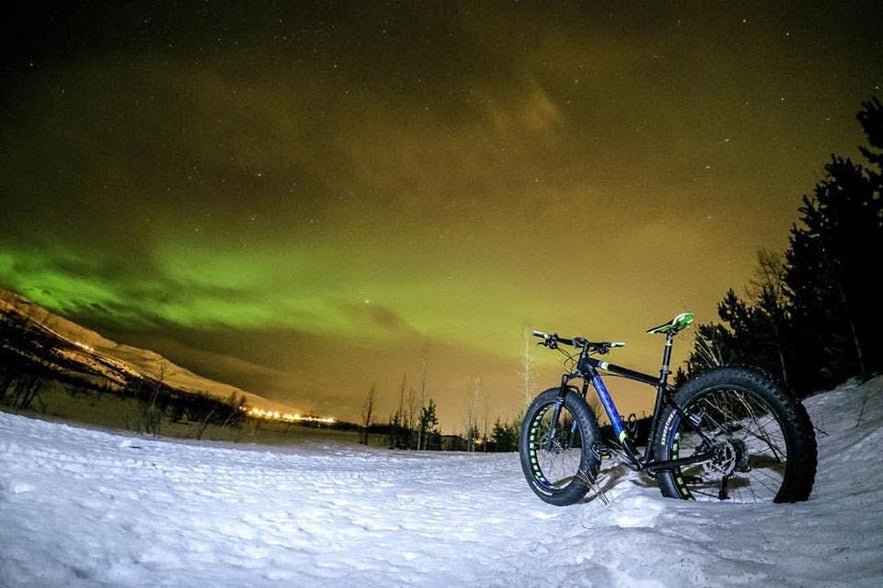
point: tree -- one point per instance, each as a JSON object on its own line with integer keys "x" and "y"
{"x": 816, "y": 319}
{"x": 148, "y": 392}
{"x": 837, "y": 316}
{"x": 367, "y": 412}
{"x": 235, "y": 411}
{"x": 772, "y": 307}
{"x": 428, "y": 430}
{"x": 871, "y": 120}
{"x": 398, "y": 437}
{"x": 472, "y": 414}
{"x": 505, "y": 436}
{"x": 527, "y": 365}
{"x": 421, "y": 440}
{"x": 727, "y": 343}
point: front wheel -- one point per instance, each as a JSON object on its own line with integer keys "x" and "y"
{"x": 558, "y": 447}
{"x": 757, "y": 439}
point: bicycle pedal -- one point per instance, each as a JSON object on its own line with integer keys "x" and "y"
{"x": 622, "y": 460}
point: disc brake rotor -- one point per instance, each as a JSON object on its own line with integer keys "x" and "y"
{"x": 724, "y": 460}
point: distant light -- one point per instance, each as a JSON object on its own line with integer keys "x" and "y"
{"x": 275, "y": 415}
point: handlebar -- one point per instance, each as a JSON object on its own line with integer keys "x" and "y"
{"x": 551, "y": 340}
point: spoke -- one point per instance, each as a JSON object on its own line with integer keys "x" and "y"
{"x": 753, "y": 438}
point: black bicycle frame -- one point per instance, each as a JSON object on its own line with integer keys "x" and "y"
{"x": 587, "y": 369}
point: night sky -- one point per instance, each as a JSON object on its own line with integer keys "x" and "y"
{"x": 305, "y": 199}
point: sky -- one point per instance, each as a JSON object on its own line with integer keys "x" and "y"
{"x": 88, "y": 508}
{"x": 309, "y": 199}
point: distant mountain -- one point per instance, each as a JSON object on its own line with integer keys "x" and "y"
{"x": 34, "y": 334}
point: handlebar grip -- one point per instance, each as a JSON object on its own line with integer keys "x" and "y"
{"x": 540, "y": 334}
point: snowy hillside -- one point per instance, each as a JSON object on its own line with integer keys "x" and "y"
{"x": 115, "y": 361}
{"x": 84, "y": 508}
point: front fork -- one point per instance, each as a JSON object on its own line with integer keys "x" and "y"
{"x": 548, "y": 445}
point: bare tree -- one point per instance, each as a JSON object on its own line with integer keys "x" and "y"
{"x": 367, "y": 412}
{"x": 474, "y": 399}
{"x": 411, "y": 420}
{"x": 401, "y": 429}
{"x": 424, "y": 363}
{"x": 768, "y": 290}
{"x": 527, "y": 371}
{"x": 204, "y": 425}
{"x": 149, "y": 412}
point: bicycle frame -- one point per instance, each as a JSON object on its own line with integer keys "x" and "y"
{"x": 588, "y": 370}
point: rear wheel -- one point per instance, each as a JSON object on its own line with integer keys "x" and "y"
{"x": 558, "y": 447}
{"x": 758, "y": 438}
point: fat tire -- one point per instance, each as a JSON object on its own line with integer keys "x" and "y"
{"x": 560, "y": 476}
{"x": 773, "y": 435}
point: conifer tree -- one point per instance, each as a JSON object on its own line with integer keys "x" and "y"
{"x": 817, "y": 319}
{"x": 831, "y": 266}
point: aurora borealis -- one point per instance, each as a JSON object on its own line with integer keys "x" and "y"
{"x": 305, "y": 199}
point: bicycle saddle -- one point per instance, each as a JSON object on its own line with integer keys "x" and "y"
{"x": 678, "y": 323}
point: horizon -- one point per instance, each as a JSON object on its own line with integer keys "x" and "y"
{"x": 311, "y": 201}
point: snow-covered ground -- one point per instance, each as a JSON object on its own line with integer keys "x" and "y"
{"x": 81, "y": 507}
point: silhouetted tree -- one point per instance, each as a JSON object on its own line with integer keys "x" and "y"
{"x": 728, "y": 343}
{"x": 815, "y": 319}
{"x": 773, "y": 312}
{"x": 473, "y": 401}
{"x": 428, "y": 431}
{"x": 401, "y": 429}
{"x": 837, "y": 315}
{"x": 505, "y": 436}
{"x": 399, "y": 436}
{"x": 754, "y": 329}
{"x": 367, "y": 413}
{"x": 235, "y": 408}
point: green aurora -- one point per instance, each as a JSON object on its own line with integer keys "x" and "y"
{"x": 308, "y": 200}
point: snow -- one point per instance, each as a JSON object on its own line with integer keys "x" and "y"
{"x": 91, "y": 508}
{"x": 116, "y": 361}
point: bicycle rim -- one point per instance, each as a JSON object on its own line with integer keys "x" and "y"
{"x": 750, "y": 455}
{"x": 555, "y": 455}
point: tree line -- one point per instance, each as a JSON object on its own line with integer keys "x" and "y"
{"x": 33, "y": 361}
{"x": 813, "y": 316}
{"x": 415, "y": 425}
